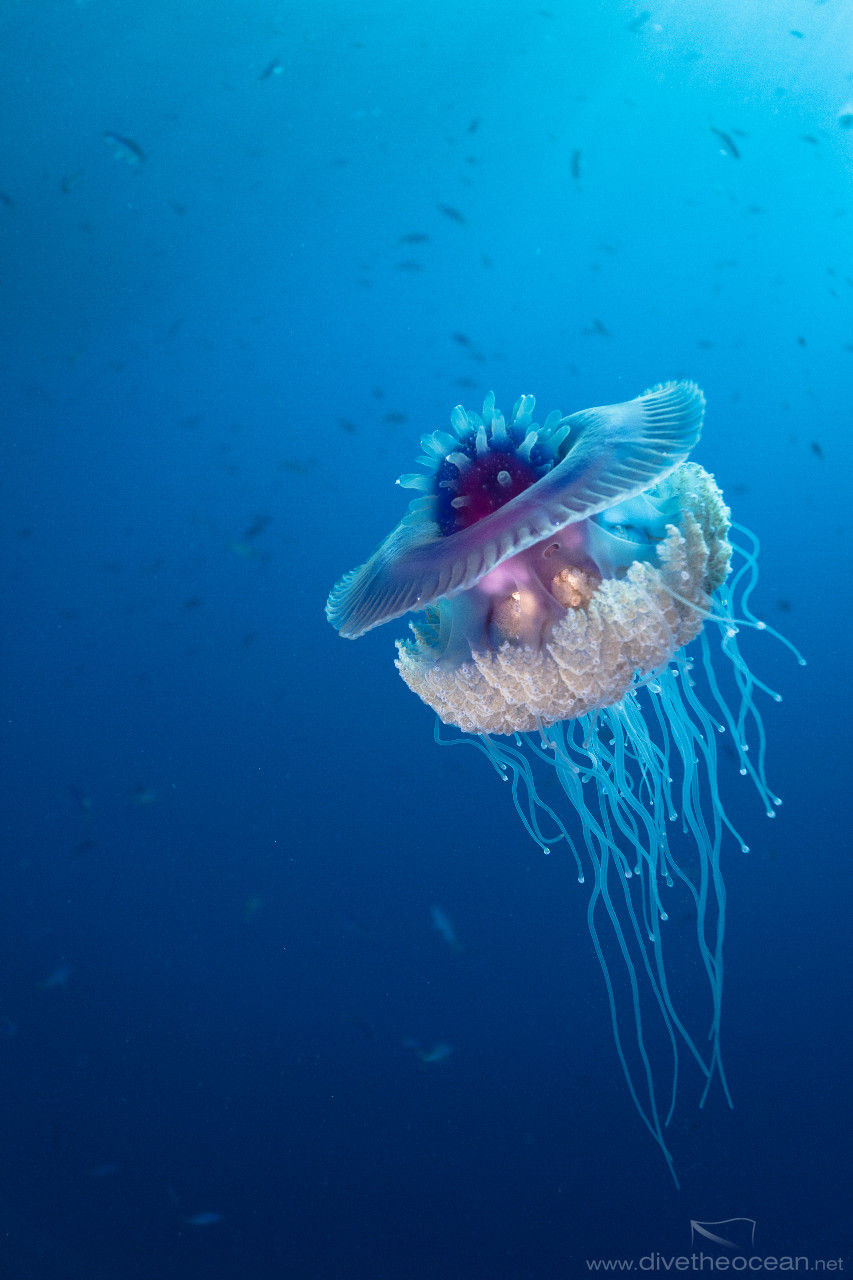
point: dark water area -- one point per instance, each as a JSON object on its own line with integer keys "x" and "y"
{"x": 249, "y": 254}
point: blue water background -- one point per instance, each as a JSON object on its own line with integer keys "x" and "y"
{"x": 224, "y": 828}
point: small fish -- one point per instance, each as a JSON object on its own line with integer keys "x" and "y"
{"x": 361, "y": 1024}
{"x": 69, "y": 182}
{"x": 596, "y": 329}
{"x": 298, "y": 467}
{"x": 82, "y": 800}
{"x": 173, "y": 331}
{"x": 408, "y": 264}
{"x": 6, "y": 199}
{"x": 357, "y": 929}
{"x": 104, "y": 1170}
{"x": 59, "y": 978}
{"x": 414, "y": 237}
{"x": 640, "y": 21}
{"x": 475, "y": 124}
{"x": 273, "y": 68}
{"x": 816, "y": 449}
{"x": 462, "y": 339}
{"x": 453, "y": 214}
{"x": 257, "y": 526}
{"x": 576, "y": 165}
{"x": 845, "y": 116}
{"x": 443, "y": 925}
{"x": 125, "y": 148}
{"x": 798, "y": 34}
{"x": 207, "y": 1219}
{"x": 728, "y": 143}
{"x": 439, "y": 1052}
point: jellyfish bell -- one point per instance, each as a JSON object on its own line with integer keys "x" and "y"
{"x": 491, "y": 490}
{"x": 557, "y": 573}
{"x": 563, "y": 628}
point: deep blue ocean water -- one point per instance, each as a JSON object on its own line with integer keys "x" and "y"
{"x": 237, "y": 242}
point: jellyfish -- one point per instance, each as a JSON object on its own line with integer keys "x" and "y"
{"x": 564, "y": 579}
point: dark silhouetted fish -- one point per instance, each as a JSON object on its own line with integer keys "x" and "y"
{"x": 257, "y": 526}
{"x": 453, "y": 214}
{"x": 728, "y": 142}
{"x": 125, "y": 148}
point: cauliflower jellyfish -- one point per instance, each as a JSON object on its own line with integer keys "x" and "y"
{"x": 565, "y": 578}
